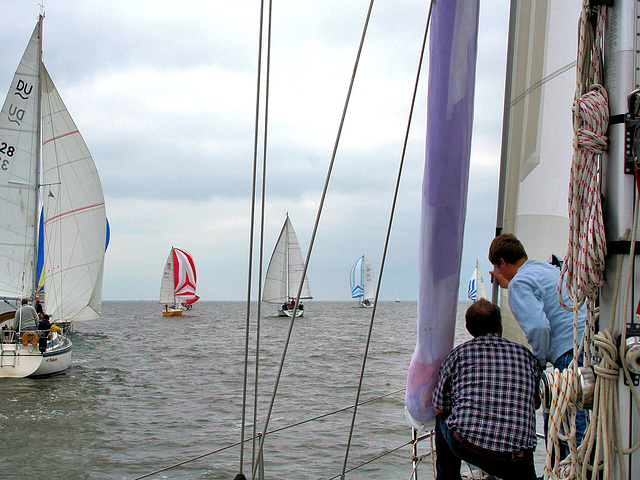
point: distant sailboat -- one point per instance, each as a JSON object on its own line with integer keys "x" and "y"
{"x": 477, "y": 288}
{"x": 363, "y": 283}
{"x": 284, "y": 274}
{"x": 45, "y": 166}
{"x": 178, "y": 287}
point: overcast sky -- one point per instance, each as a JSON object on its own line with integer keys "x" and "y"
{"x": 164, "y": 94}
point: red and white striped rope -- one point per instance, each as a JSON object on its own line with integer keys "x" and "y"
{"x": 583, "y": 265}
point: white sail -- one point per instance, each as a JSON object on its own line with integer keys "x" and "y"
{"x": 74, "y": 215}
{"x": 368, "y": 280}
{"x": 167, "y": 289}
{"x": 284, "y": 273}
{"x": 19, "y": 122}
{"x": 477, "y": 287}
{"x": 537, "y": 140}
{"x": 363, "y": 285}
{"x": 74, "y": 224}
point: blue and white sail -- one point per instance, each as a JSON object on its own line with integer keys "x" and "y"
{"x": 363, "y": 283}
{"x": 452, "y": 72}
{"x": 477, "y": 288}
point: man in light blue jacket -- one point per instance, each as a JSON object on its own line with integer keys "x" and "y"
{"x": 533, "y": 299}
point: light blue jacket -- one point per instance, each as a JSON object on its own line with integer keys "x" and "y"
{"x": 533, "y": 299}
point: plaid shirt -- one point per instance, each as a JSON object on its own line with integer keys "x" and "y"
{"x": 488, "y": 386}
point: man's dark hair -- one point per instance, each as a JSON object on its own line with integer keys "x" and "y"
{"x": 507, "y": 247}
{"x": 483, "y": 317}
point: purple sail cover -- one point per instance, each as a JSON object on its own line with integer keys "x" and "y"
{"x": 452, "y": 62}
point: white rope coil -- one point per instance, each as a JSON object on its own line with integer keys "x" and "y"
{"x": 599, "y": 443}
{"x": 562, "y": 424}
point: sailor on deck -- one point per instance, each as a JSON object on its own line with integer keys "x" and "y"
{"x": 533, "y": 299}
{"x": 485, "y": 402}
{"x": 26, "y": 317}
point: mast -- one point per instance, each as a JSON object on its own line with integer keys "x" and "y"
{"x": 36, "y": 223}
{"x": 506, "y": 121}
{"x": 175, "y": 283}
{"x": 621, "y": 79}
{"x": 287, "y": 261}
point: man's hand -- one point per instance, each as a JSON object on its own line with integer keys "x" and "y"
{"x": 498, "y": 277}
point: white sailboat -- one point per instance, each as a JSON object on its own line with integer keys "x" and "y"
{"x": 477, "y": 287}
{"x": 178, "y": 286}
{"x": 363, "y": 283}
{"x": 284, "y": 274}
{"x": 46, "y": 166}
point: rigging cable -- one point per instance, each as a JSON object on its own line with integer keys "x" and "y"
{"x": 313, "y": 235}
{"x": 240, "y": 475}
{"x": 257, "y": 462}
{"x": 286, "y": 427}
{"x": 388, "y": 234}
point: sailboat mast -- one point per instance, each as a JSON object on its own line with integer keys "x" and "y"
{"x": 286, "y": 259}
{"x": 173, "y": 272}
{"x": 504, "y": 149}
{"x": 38, "y": 163}
{"x": 622, "y": 65}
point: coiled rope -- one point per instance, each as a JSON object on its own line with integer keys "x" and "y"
{"x": 583, "y": 267}
{"x": 583, "y": 273}
{"x": 584, "y": 262}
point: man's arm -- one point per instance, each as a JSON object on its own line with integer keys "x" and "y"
{"x": 528, "y": 310}
{"x": 441, "y": 399}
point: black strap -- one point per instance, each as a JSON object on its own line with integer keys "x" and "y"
{"x": 615, "y": 119}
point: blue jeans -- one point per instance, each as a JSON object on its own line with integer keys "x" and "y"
{"x": 561, "y": 363}
{"x": 450, "y": 451}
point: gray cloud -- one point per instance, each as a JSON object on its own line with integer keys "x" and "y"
{"x": 164, "y": 94}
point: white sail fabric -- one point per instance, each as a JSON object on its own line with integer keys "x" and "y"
{"x": 167, "y": 289}
{"x": 539, "y": 149}
{"x": 363, "y": 284}
{"x": 75, "y": 222}
{"x": 19, "y": 123}
{"x": 284, "y": 273}
{"x": 477, "y": 288}
{"x": 368, "y": 280}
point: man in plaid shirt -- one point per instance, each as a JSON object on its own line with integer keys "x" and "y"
{"x": 486, "y": 401}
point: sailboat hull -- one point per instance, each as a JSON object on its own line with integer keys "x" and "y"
{"x": 55, "y": 361}
{"x": 289, "y": 313}
{"x": 178, "y": 286}
{"x": 19, "y": 361}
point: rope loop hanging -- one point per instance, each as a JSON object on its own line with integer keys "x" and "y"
{"x": 594, "y": 115}
{"x": 583, "y": 267}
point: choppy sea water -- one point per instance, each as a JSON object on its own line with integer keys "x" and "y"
{"x": 145, "y": 392}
